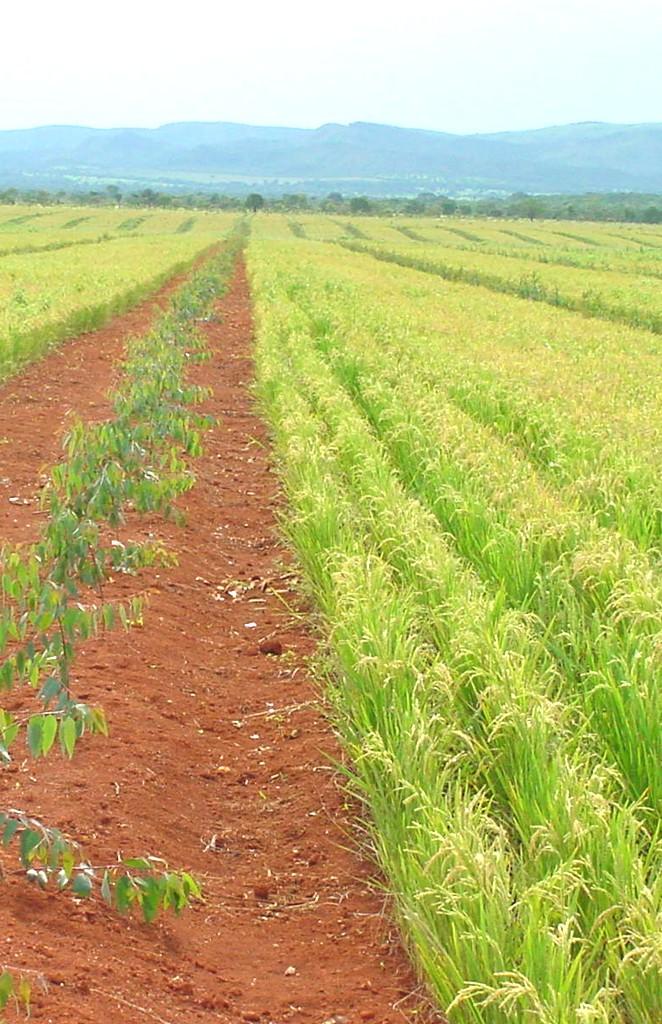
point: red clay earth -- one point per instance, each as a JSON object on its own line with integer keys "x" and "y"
{"x": 219, "y": 759}
{"x": 75, "y": 378}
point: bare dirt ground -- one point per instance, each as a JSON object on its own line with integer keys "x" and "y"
{"x": 36, "y": 405}
{"x": 219, "y": 759}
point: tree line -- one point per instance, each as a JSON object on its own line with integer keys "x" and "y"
{"x": 616, "y": 206}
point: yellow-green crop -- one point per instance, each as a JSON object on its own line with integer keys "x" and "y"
{"x": 67, "y": 270}
{"x": 474, "y": 500}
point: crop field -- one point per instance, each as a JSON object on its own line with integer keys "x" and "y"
{"x": 465, "y": 420}
{"x": 470, "y": 443}
{"x": 65, "y": 271}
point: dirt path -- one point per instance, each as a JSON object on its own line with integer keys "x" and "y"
{"x": 219, "y": 761}
{"x": 36, "y": 405}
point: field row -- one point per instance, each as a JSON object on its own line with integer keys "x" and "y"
{"x": 467, "y": 422}
{"x": 482, "y": 543}
{"x": 56, "y": 289}
{"x": 28, "y": 227}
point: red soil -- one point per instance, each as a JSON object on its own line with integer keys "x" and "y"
{"x": 219, "y": 758}
{"x": 35, "y": 406}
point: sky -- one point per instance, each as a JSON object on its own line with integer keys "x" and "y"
{"x": 467, "y": 66}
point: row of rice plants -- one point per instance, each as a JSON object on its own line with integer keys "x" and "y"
{"x": 622, "y": 260}
{"x": 62, "y": 228}
{"x": 597, "y": 599}
{"x": 610, "y": 246}
{"x": 46, "y": 297}
{"x": 582, "y": 403}
{"x": 24, "y": 225}
{"x": 525, "y": 882}
{"x": 575, "y": 237}
{"x": 609, "y": 295}
{"x": 620, "y": 490}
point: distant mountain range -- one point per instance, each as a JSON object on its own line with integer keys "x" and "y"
{"x": 358, "y": 158}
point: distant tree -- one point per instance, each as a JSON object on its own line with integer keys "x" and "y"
{"x": 448, "y": 207}
{"x": 254, "y": 202}
{"x": 148, "y": 197}
{"x": 415, "y": 207}
{"x": 360, "y": 204}
{"x": 295, "y": 201}
{"x": 652, "y": 215}
{"x": 527, "y": 206}
{"x": 335, "y": 197}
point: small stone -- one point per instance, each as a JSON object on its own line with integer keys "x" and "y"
{"x": 261, "y": 892}
{"x": 290, "y": 971}
{"x": 273, "y": 647}
{"x": 185, "y": 988}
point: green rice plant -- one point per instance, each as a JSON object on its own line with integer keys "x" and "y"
{"x": 536, "y": 250}
{"x": 297, "y": 228}
{"x": 353, "y": 230}
{"x": 602, "y": 468}
{"x": 556, "y": 288}
{"x": 574, "y": 237}
{"x": 527, "y": 239}
{"x": 624, "y": 496}
{"x": 470, "y": 236}
{"x": 131, "y": 223}
{"x": 408, "y": 232}
{"x": 76, "y": 222}
{"x": 59, "y": 295}
{"x": 517, "y": 863}
{"x": 21, "y": 219}
{"x": 23, "y": 250}
{"x": 596, "y": 607}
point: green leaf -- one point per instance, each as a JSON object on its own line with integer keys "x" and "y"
{"x": 123, "y": 894}
{"x": 6, "y": 988}
{"x": 138, "y": 864}
{"x": 30, "y": 840}
{"x": 68, "y": 861}
{"x": 44, "y": 622}
{"x": 191, "y": 886}
{"x": 35, "y": 734}
{"x": 82, "y": 886}
{"x": 68, "y": 735}
{"x": 9, "y": 831}
{"x": 25, "y": 994}
{"x": 98, "y": 722}
{"x": 150, "y": 900}
{"x": 10, "y": 734}
{"x": 50, "y": 689}
{"x": 49, "y": 732}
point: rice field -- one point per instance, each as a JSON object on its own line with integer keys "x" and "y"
{"x": 467, "y": 422}
{"x": 473, "y": 483}
{"x": 65, "y": 270}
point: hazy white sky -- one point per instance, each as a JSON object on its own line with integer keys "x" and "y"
{"x": 470, "y": 65}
